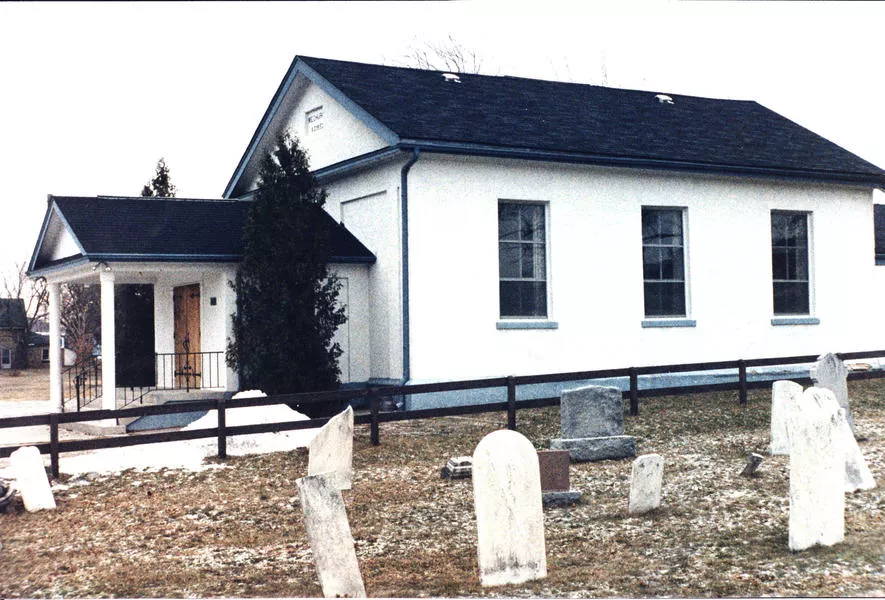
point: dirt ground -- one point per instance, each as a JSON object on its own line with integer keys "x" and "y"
{"x": 237, "y": 531}
{"x": 24, "y": 385}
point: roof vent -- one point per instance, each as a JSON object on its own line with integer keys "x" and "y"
{"x": 664, "y": 99}
{"x": 451, "y": 78}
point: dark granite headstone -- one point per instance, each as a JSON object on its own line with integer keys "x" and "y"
{"x": 554, "y": 466}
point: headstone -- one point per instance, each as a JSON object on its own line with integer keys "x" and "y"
{"x": 784, "y": 399}
{"x": 857, "y": 473}
{"x": 817, "y": 472}
{"x": 555, "y": 487}
{"x": 509, "y": 514}
{"x": 645, "y": 483}
{"x": 831, "y": 373}
{"x": 328, "y": 532}
{"x": 592, "y": 420}
{"x": 753, "y": 462}
{"x": 458, "y": 467}
{"x": 331, "y": 450}
{"x": 31, "y": 479}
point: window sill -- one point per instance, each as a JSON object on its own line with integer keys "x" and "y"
{"x": 795, "y": 321}
{"x": 678, "y": 322}
{"x": 527, "y": 324}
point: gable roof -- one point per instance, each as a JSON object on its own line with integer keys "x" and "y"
{"x": 168, "y": 230}
{"x": 520, "y": 117}
{"x": 12, "y": 313}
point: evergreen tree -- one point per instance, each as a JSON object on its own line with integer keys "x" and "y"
{"x": 287, "y": 310}
{"x": 161, "y": 185}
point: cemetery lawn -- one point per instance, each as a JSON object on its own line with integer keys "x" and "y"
{"x": 238, "y": 531}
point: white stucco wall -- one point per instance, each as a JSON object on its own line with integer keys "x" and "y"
{"x": 354, "y": 335}
{"x": 337, "y": 135}
{"x": 595, "y": 269}
{"x": 368, "y": 203}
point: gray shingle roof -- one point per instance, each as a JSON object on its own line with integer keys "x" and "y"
{"x": 733, "y": 136}
{"x": 152, "y": 229}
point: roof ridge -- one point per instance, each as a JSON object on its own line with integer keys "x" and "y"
{"x": 524, "y": 78}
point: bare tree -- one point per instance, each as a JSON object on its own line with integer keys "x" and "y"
{"x": 17, "y": 284}
{"x": 449, "y": 55}
{"x": 81, "y": 317}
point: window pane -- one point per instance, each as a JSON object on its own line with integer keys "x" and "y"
{"x": 779, "y": 263}
{"x": 795, "y": 230}
{"x": 650, "y": 227}
{"x": 671, "y": 263}
{"x": 508, "y": 222}
{"x": 508, "y": 259}
{"x": 791, "y": 298}
{"x": 651, "y": 263}
{"x": 671, "y": 227}
{"x": 523, "y": 299}
{"x": 664, "y": 299}
{"x": 532, "y": 223}
{"x": 778, "y": 229}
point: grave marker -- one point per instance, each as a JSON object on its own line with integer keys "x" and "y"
{"x": 31, "y": 479}
{"x": 817, "y": 471}
{"x": 331, "y": 450}
{"x": 784, "y": 399}
{"x": 831, "y": 373}
{"x": 592, "y": 421}
{"x": 328, "y": 532}
{"x": 509, "y": 514}
{"x": 645, "y": 484}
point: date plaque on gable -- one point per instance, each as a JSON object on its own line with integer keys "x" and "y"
{"x": 314, "y": 119}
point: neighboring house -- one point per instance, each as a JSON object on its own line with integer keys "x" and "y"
{"x": 501, "y": 225}
{"x": 38, "y": 351}
{"x": 13, "y": 328}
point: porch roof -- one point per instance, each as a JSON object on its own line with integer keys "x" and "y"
{"x": 159, "y": 230}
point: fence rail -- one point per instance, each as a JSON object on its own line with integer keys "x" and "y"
{"x": 375, "y": 417}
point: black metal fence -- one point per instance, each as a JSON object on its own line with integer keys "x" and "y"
{"x": 374, "y": 396}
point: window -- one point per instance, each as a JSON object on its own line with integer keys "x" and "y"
{"x": 879, "y": 219}
{"x": 522, "y": 260}
{"x": 44, "y": 355}
{"x": 5, "y": 358}
{"x": 663, "y": 262}
{"x": 789, "y": 262}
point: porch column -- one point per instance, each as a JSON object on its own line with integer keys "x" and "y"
{"x": 108, "y": 343}
{"x": 56, "y": 397}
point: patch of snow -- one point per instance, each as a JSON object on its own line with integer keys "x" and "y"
{"x": 189, "y": 455}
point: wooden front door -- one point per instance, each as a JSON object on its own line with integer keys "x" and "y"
{"x": 188, "y": 361}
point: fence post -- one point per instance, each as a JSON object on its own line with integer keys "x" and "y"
{"x": 53, "y": 445}
{"x": 511, "y": 403}
{"x": 374, "y": 407}
{"x": 222, "y": 428}
{"x": 634, "y": 392}
{"x": 742, "y": 378}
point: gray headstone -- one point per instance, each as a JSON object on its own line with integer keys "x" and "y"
{"x": 817, "y": 472}
{"x": 331, "y": 450}
{"x": 31, "y": 479}
{"x": 784, "y": 399}
{"x": 592, "y": 411}
{"x": 509, "y": 513}
{"x": 645, "y": 483}
{"x": 831, "y": 373}
{"x": 328, "y": 532}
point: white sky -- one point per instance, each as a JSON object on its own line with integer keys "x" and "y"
{"x": 93, "y": 94}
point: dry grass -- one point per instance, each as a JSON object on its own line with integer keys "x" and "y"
{"x": 28, "y": 384}
{"x": 238, "y": 531}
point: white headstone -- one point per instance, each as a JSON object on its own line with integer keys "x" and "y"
{"x": 645, "y": 483}
{"x": 817, "y": 471}
{"x": 857, "y": 473}
{"x": 784, "y": 400}
{"x": 831, "y": 373}
{"x": 509, "y": 511}
{"x": 331, "y": 451}
{"x": 328, "y": 532}
{"x": 31, "y": 479}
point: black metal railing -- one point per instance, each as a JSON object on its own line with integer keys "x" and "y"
{"x": 82, "y": 384}
{"x": 172, "y": 371}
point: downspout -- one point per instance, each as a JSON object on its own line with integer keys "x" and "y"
{"x": 404, "y": 217}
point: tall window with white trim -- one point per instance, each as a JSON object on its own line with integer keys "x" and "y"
{"x": 663, "y": 262}
{"x": 522, "y": 260}
{"x": 789, "y": 262}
